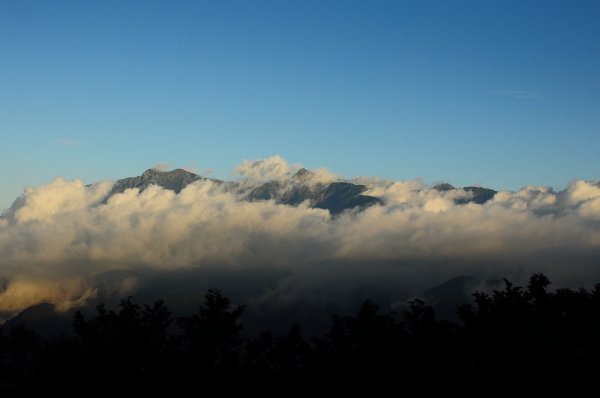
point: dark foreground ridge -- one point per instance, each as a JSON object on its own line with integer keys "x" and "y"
{"x": 513, "y": 342}
{"x": 337, "y": 196}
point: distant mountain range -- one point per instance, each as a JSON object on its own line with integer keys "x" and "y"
{"x": 335, "y": 197}
{"x": 478, "y": 195}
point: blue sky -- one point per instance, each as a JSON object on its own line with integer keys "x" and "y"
{"x": 498, "y": 93}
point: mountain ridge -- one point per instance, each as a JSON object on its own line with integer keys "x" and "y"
{"x": 336, "y": 196}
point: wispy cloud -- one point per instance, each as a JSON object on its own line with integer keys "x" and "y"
{"x": 192, "y": 168}
{"x": 517, "y": 94}
{"x": 161, "y": 166}
{"x": 70, "y": 143}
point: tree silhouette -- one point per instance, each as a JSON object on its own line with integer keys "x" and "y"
{"x": 420, "y": 317}
{"x": 214, "y": 332}
{"x": 516, "y": 340}
{"x": 211, "y": 344}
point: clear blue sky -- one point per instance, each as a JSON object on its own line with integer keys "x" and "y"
{"x": 499, "y": 93}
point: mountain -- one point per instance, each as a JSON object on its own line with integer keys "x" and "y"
{"x": 43, "y": 319}
{"x": 477, "y": 195}
{"x": 480, "y": 195}
{"x": 444, "y": 187}
{"x": 335, "y": 196}
{"x": 175, "y": 180}
{"x": 450, "y": 294}
{"x": 339, "y": 196}
{"x": 445, "y": 298}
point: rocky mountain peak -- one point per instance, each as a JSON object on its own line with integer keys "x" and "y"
{"x": 174, "y": 180}
{"x": 444, "y": 186}
{"x": 335, "y": 197}
{"x": 303, "y": 175}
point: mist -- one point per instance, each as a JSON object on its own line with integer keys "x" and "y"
{"x": 65, "y": 243}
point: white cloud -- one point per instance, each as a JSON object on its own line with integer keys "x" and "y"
{"x": 161, "y": 166}
{"x": 59, "y": 243}
{"x": 70, "y": 143}
{"x": 272, "y": 168}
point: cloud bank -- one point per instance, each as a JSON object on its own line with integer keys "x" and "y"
{"x": 60, "y": 243}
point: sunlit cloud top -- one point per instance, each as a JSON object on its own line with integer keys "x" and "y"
{"x": 60, "y": 240}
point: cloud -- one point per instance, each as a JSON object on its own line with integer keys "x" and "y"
{"x": 70, "y": 143}
{"x": 161, "y": 166}
{"x": 518, "y": 94}
{"x": 193, "y": 168}
{"x": 321, "y": 176}
{"x": 61, "y": 243}
{"x": 272, "y": 168}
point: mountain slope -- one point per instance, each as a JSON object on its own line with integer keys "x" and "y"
{"x": 477, "y": 195}
{"x": 175, "y": 180}
{"x": 335, "y": 197}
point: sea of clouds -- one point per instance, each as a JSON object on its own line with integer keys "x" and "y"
{"x": 62, "y": 243}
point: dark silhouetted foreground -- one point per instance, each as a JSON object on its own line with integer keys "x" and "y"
{"x": 514, "y": 342}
